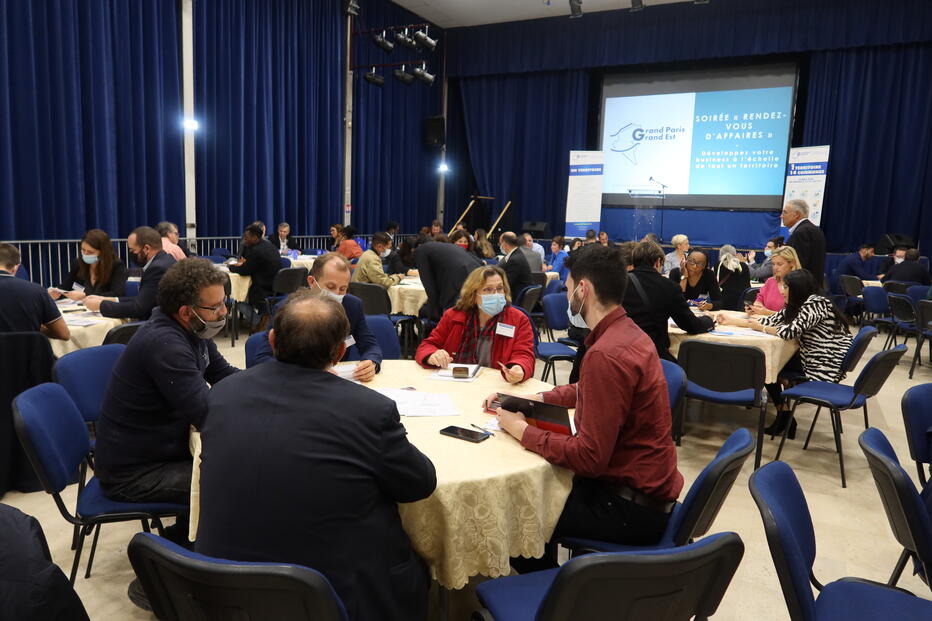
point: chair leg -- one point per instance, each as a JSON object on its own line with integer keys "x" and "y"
{"x": 77, "y": 552}
{"x": 898, "y": 569}
{"x": 786, "y": 430}
{"x": 841, "y": 454}
{"x": 760, "y": 436}
{"x": 90, "y": 559}
{"x": 912, "y": 367}
{"x": 866, "y": 422}
{"x": 145, "y": 526}
{"x": 811, "y": 427}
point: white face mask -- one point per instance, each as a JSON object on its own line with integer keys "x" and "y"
{"x": 576, "y": 319}
{"x": 898, "y": 260}
{"x": 328, "y": 292}
{"x": 385, "y": 253}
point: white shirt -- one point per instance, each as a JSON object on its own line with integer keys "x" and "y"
{"x": 793, "y": 228}
{"x": 539, "y": 250}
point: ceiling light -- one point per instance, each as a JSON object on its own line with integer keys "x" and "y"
{"x": 402, "y": 38}
{"x": 402, "y": 76}
{"x": 575, "y": 9}
{"x": 637, "y": 5}
{"x": 374, "y": 78}
{"x": 421, "y": 37}
{"x": 421, "y": 74}
{"x": 191, "y": 124}
{"x": 351, "y": 7}
{"x": 383, "y": 43}
{"x": 443, "y": 168}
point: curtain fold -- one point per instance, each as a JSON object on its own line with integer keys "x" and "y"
{"x": 90, "y": 110}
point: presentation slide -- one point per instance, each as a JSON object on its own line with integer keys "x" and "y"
{"x": 705, "y": 147}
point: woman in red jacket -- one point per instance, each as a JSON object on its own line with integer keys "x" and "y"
{"x": 482, "y": 329}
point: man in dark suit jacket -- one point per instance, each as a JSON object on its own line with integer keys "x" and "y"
{"x": 283, "y": 240}
{"x": 910, "y": 270}
{"x": 443, "y": 269}
{"x": 145, "y": 247}
{"x": 261, "y": 262}
{"x": 805, "y": 237}
{"x": 515, "y": 264}
{"x": 324, "y": 464}
{"x": 651, "y": 299}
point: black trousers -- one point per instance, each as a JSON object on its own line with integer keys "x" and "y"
{"x": 594, "y": 512}
{"x": 793, "y": 365}
{"x": 165, "y": 482}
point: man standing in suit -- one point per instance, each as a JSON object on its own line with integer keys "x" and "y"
{"x": 145, "y": 247}
{"x": 515, "y": 263}
{"x": 261, "y": 262}
{"x": 326, "y": 460}
{"x": 443, "y": 269}
{"x": 805, "y": 237}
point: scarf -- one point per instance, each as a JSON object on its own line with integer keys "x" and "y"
{"x": 468, "y": 352}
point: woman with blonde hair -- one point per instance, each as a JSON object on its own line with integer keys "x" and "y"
{"x": 482, "y": 328}
{"x": 733, "y": 277}
{"x": 770, "y": 298}
{"x": 483, "y": 248}
{"x": 677, "y": 258}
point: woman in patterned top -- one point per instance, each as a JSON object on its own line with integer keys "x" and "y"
{"x": 822, "y": 332}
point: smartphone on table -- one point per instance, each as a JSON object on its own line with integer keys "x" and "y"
{"x": 465, "y": 434}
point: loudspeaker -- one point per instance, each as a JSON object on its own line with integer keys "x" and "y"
{"x": 888, "y": 242}
{"x": 538, "y": 229}
{"x": 434, "y": 130}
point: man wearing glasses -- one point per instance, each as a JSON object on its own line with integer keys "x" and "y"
{"x": 158, "y": 392}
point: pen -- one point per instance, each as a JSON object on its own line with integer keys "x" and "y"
{"x": 483, "y": 430}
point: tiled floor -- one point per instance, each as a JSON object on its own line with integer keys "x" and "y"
{"x": 853, "y": 537}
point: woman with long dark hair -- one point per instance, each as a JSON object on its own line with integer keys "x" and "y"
{"x": 97, "y": 271}
{"x": 820, "y": 328}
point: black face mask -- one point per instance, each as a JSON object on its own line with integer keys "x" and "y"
{"x": 140, "y": 259}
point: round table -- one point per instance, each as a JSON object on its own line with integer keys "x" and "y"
{"x": 777, "y": 352}
{"x": 239, "y": 284}
{"x": 408, "y": 296}
{"x": 305, "y": 260}
{"x": 83, "y": 336}
{"x": 551, "y": 276}
{"x": 494, "y": 500}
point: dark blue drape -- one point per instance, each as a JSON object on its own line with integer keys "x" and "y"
{"x": 684, "y": 31}
{"x": 874, "y": 107}
{"x": 520, "y": 130}
{"x": 90, "y": 117}
{"x": 268, "y": 94}
{"x": 394, "y": 173}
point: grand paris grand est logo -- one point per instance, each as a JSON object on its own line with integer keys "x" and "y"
{"x": 631, "y": 135}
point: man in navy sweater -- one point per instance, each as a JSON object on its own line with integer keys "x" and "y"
{"x": 856, "y": 264}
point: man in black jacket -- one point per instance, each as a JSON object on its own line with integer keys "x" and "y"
{"x": 322, "y": 465}
{"x": 145, "y": 247}
{"x": 443, "y": 269}
{"x": 283, "y": 242}
{"x": 805, "y": 237}
{"x": 651, "y": 299}
{"x": 260, "y": 261}
{"x": 515, "y": 264}
{"x": 910, "y": 270}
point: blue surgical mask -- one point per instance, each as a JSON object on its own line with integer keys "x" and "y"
{"x": 768, "y": 252}
{"x": 492, "y": 303}
{"x": 90, "y": 259}
{"x": 327, "y": 292}
{"x": 576, "y": 318}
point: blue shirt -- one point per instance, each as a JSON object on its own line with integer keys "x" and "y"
{"x": 556, "y": 262}
{"x": 853, "y": 265}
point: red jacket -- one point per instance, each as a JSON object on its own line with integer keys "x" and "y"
{"x": 448, "y": 335}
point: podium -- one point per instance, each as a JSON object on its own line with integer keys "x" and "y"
{"x": 646, "y": 201}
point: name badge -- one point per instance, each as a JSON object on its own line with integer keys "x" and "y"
{"x": 505, "y": 330}
{"x": 77, "y": 287}
{"x": 350, "y": 341}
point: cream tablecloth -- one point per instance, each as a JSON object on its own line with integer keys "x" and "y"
{"x": 408, "y": 296}
{"x": 304, "y": 261}
{"x": 776, "y": 351}
{"x": 872, "y": 283}
{"x": 493, "y": 501}
{"x": 239, "y": 285}
{"x": 551, "y": 276}
{"x": 84, "y": 336}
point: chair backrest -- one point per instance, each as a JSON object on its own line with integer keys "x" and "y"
{"x": 917, "y": 292}
{"x": 221, "y": 252}
{"x": 385, "y": 333}
{"x": 850, "y": 285}
{"x": 723, "y": 367}
{"x": 748, "y": 296}
{"x": 284, "y": 263}
{"x": 901, "y": 307}
{"x": 252, "y": 346}
{"x": 539, "y": 278}
{"x": 131, "y": 289}
{"x": 555, "y": 305}
{"x": 877, "y": 370}
{"x": 184, "y": 586}
{"x": 917, "y": 418}
{"x": 85, "y": 374}
{"x": 528, "y": 297}
{"x": 533, "y": 325}
{"x": 788, "y": 525}
{"x": 906, "y": 512}
{"x": 554, "y": 286}
{"x": 875, "y": 300}
{"x": 897, "y": 286}
{"x": 215, "y": 258}
{"x": 676, "y": 583}
{"x": 375, "y": 300}
{"x": 858, "y": 346}
{"x": 52, "y": 433}
{"x": 122, "y": 334}
{"x": 289, "y": 279}
{"x": 675, "y": 376}
{"x": 924, "y": 314}
{"x": 708, "y": 492}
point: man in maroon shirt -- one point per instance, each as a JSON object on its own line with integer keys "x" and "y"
{"x": 622, "y": 454}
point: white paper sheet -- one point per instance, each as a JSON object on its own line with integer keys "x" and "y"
{"x": 416, "y": 403}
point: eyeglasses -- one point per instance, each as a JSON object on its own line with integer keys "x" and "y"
{"x": 213, "y": 309}
{"x": 695, "y": 263}
{"x": 492, "y": 291}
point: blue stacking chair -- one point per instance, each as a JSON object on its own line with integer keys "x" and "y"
{"x": 252, "y": 346}
{"x": 906, "y": 511}
{"x": 791, "y": 538}
{"x": 185, "y": 586}
{"x": 555, "y": 318}
{"x": 676, "y": 390}
{"x": 877, "y": 308}
{"x": 550, "y": 353}
{"x": 221, "y": 252}
{"x": 51, "y": 431}
{"x": 215, "y": 258}
{"x": 923, "y": 332}
{"x": 729, "y": 375}
{"x": 554, "y": 286}
{"x": 527, "y": 298}
{"x": 917, "y": 292}
{"x": 904, "y": 317}
{"x": 386, "y": 334}
{"x": 375, "y": 301}
{"x": 85, "y": 374}
{"x": 284, "y": 262}
{"x": 131, "y": 290}
{"x": 839, "y": 397}
{"x": 679, "y": 583}
{"x": 694, "y": 516}
{"x": 856, "y": 351}
{"x": 917, "y": 419}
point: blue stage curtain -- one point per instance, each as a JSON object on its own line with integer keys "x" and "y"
{"x": 520, "y": 130}
{"x": 394, "y": 172}
{"x": 268, "y": 95}
{"x": 90, "y": 117}
{"x": 873, "y": 107}
{"x": 684, "y": 31}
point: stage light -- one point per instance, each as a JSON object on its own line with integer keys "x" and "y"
{"x": 351, "y": 7}
{"x": 443, "y": 168}
{"x": 421, "y": 37}
{"x": 191, "y": 124}
{"x": 402, "y": 76}
{"x": 575, "y": 9}
{"x": 402, "y": 38}
{"x": 421, "y": 74}
{"x": 374, "y": 78}
{"x": 383, "y": 43}
{"x": 637, "y": 5}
